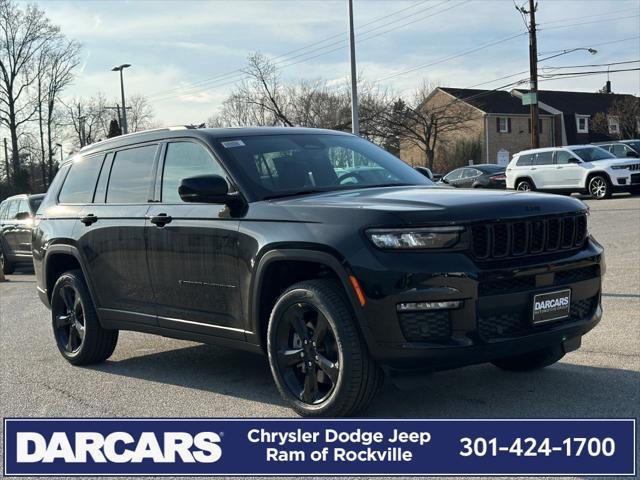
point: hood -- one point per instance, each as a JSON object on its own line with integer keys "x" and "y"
{"x": 615, "y": 161}
{"x": 426, "y": 204}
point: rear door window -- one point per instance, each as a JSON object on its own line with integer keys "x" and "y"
{"x": 131, "y": 175}
{"x": 81, "y": 180}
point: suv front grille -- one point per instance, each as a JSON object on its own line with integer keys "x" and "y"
{"x": 497, "y": 240}
{"x": 496, "y": 325}
{"x": 634, "y": 167}
{"x": 528, "y": 282}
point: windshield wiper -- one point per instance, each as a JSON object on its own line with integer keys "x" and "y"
{"x": 293, "y": 194}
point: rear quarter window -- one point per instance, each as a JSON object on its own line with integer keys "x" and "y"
{"x": 81, "y": 180}
{"x": 524, "y": 160}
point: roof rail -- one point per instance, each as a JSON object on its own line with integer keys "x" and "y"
{"x": 162, "y": 129}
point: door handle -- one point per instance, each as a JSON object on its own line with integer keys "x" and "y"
{"x": 533, "y": 168}
{"x": 89, "y": 219}
{"x": 559, "y": 168}
{"x": 160, "y": 220}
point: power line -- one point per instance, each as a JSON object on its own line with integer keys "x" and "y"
{"x": 551, "y": 67}
{"x": 239, "y": 71}
{"x": 552, "y": 75}
{"x": 591, "y": 45}
{"x": 604, "y": 19}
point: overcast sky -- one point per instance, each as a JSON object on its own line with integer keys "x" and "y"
{"x": 182, "y": 50}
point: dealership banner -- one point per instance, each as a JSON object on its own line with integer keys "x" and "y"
{"x": 95, "y": 446}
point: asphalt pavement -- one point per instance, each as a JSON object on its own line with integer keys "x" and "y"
{"x": 155, "y": 376}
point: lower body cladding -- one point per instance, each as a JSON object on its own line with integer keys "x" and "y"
{"x": 629, "y": 183}
{"x": 475, "y": 313}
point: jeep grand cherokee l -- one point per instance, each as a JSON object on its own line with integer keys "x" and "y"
{"x": 271, "y": 240}
{"x": 576, "y": 168}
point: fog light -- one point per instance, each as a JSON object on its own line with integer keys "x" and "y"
{"x": 413, "y": 306}
{"x": 622, "y": 181}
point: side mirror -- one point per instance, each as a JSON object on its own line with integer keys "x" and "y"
{"x": 444, "y": 180}
{"x": 574, "y": 160}
{"x": 204, "y": 189}
{"x": 23, "y": 216}
{"x": 632, "y": 154}
{"x": 425, "y": 171}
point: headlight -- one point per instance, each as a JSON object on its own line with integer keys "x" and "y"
{"x": 619, "y": 167}
{"x": 415, "y": 238}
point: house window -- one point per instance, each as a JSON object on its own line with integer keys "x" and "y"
{"x": 614, "y": 126}
{"x": 582, "y": 123}
{"x": 503, "y": 124}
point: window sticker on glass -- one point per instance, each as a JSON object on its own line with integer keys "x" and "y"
{"x": 233, "y": 144}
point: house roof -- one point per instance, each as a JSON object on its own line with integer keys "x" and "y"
{"x": 489, "y": 101}
{"x": 585, "y": 103}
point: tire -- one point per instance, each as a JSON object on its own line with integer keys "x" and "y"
{"x": 76, "y": 328}
{"x": 525, "y": 185}
{"x": 330, "y": 374}
{"x": 599, "y": 187}
{"x": 530, "y": 361}
{"x": 7, "y": 266}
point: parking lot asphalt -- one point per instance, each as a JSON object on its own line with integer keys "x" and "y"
{"x": 155, "y": 376}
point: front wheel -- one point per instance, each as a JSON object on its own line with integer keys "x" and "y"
{"x": 318, "y": 358}
{"x": 78, "y": 333}
{"x": 530, "y": 361}
{"x": 599, "y": 187}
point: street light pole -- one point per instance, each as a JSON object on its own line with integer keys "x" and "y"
{"x": 120, "y": 68}
{"x": 355, "y": 117}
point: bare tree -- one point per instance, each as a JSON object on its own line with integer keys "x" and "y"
{"x": 56, "y": 63}
{"x": 141, "y": 116}
{"x": 263, "y": 99}
{"x": 88, "y": 119}
{"x": 626, "y": 112}
{"x": 424, "y": 123}
{"x": 23, "y": 33}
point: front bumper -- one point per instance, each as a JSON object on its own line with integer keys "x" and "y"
{"x": 494, "y": 320}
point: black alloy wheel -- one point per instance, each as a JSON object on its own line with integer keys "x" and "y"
{"x": 319, "y": 360}
{"x": 79, "y": 335}
{"x": 69, "y": 320}
{"x": 307, "y": 353}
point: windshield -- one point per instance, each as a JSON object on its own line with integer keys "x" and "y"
{"x": 289, "y": 164}
{"x": 635, "y": 145}
{"x": 590, "y": 154}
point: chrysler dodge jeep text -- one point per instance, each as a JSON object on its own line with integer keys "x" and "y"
{"x": 318, "y": 248}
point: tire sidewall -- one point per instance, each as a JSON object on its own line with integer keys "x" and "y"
{"x": 527, "y": 182}
{"x": 301, "y": 295}
{"x": 71, "y": 279}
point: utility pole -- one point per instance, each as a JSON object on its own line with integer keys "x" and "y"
{"x": 355, "y": 117}
{"x": 6, "y": 161}
{"x": 533, "y": 72}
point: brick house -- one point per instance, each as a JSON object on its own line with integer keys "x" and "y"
{"x": 501, "y": 125}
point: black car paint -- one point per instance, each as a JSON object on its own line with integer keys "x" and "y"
{"x": 15, "y": 233}
{"x": 202, "y": 275}
{"x": 484, "y": 180}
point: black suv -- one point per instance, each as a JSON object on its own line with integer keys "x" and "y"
{"x": 16, "y": 222}
{"x": 271, "y": 240}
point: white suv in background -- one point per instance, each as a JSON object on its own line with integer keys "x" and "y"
{"x": 577, "y": 168}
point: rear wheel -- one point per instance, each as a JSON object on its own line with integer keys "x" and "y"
{"x": 525, "y": 185}
{"x": 318, "y": 358}
{"x": 599, "y": 187}
{"x": 530, "y": 361}
{"x": 78, "y": 333}
{"x": 8, "y": 267}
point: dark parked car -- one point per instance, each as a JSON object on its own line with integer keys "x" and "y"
{"x": 16, "y": 223}
{"x": 249, "y": 238}
{"x": 485, "y": 175}
{"x": 622, "y": 149}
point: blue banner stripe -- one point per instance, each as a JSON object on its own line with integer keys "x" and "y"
{"x": 319, "y": 447}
